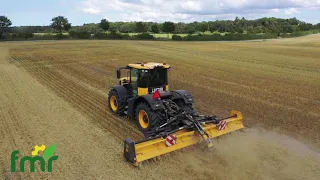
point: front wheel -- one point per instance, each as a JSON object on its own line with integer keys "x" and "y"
{"x": 146, "y": 118}
{"x": 115, "y": 103}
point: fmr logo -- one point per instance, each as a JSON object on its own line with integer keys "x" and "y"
{"x": 47, "y": 155}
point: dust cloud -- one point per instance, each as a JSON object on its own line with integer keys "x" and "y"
{"x": 253, "y": 154}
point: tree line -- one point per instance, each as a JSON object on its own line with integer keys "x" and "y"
{"x": 240, "y": 26}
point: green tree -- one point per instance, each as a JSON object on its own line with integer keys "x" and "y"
{"x": 4, "y": 24}
{"x": 287, "y": 29}
{"x": 212, "y": 26}
{"x": 179, "y": 27}
{"x": 293, "y": 21}
{"x": 116, "y": 24}
{"x": 155, "y": 28}
{"x": 148, "y": 26}
{"x": 168, "y": 27}
{"x": 104, "y": 24}
{"x": 126, "y": 28}
{"x": 190, "y": 29}
{"x": 202, "y": 27}
{"x": 60, "y": 23}
{"x": 140, "y": 27}
{"x": 113, "y": 29}
{"x": 91, "y": 28}
{"x": 236, "y": 20}
{"x": 305, "y": 26}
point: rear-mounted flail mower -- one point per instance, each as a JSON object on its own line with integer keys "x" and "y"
{"x": 167, "y": 118}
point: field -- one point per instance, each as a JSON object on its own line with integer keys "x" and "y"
{"x": 156, "y": 35}
{"x": 159, "y": 35}
{"x": 56, "y": 92}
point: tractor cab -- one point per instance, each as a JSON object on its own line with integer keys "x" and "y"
{"x": 144, "y": 78}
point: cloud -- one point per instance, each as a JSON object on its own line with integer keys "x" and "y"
{"x": 189, "y": 10}
{"x": 274, "y": 10}
{"x": 291, "y": 11}
{"x": 192, "y": 6}
{"x": 91, "y": 10}
{"x": 90, "y": 7}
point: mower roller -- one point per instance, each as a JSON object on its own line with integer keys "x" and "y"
{"x": 167, "y": 118}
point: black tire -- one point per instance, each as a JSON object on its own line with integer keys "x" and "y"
{"x": 153, "y": 118}
{"x": 119, "y": 102}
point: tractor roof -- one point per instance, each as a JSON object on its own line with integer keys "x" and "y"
{"x": 149, "y": 65}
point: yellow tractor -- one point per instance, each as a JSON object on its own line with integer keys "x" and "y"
{"x": 167, "y": 118}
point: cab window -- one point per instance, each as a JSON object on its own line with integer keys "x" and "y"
{"x": 143, "y": 78}
{"x": 134, "y": 77}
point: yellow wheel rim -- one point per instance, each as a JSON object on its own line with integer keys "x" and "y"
{"x": 113, "y": 103}
{"x": 143, "y": 119}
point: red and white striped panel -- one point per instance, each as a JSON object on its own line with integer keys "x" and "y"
{"x": 171, "y": 140}
{"x": 222, "y": 125}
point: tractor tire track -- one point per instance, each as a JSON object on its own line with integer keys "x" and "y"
{"x": 89, "y": 104}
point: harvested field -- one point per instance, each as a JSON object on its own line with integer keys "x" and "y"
{"x": 56, "y": 92}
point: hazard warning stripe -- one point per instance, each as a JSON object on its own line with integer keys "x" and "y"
{"x": 222, "y": 125}
{"x": 171, "y": 140}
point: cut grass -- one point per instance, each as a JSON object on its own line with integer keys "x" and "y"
{"x": 274, "y": 83}
{"x": 61, "y": 88}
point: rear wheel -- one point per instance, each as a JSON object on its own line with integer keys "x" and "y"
{"x": 146, "y": 118}
{"x": 115, "y": 103}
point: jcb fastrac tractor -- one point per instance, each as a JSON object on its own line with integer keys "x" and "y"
{"x": 167, "y": 118}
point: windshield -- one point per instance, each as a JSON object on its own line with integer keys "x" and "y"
{"x": 158, "y": 77}
{"x": 155, "y": 77}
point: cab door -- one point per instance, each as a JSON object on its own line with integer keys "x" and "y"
{"x": 143, "y": 79}
{"x": 134, "y": 81}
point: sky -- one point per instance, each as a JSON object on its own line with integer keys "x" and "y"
{"x": 78, "y": 12}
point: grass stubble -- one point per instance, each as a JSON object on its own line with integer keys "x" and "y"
{"x": 275, "y": 84}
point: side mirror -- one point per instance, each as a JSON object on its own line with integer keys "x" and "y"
{"x": 118, "y": 74}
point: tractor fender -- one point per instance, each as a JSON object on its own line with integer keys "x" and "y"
{"x": 183, "y": 94}
{"x": 153, "y": 103}
{"x": 122, "y": 92}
